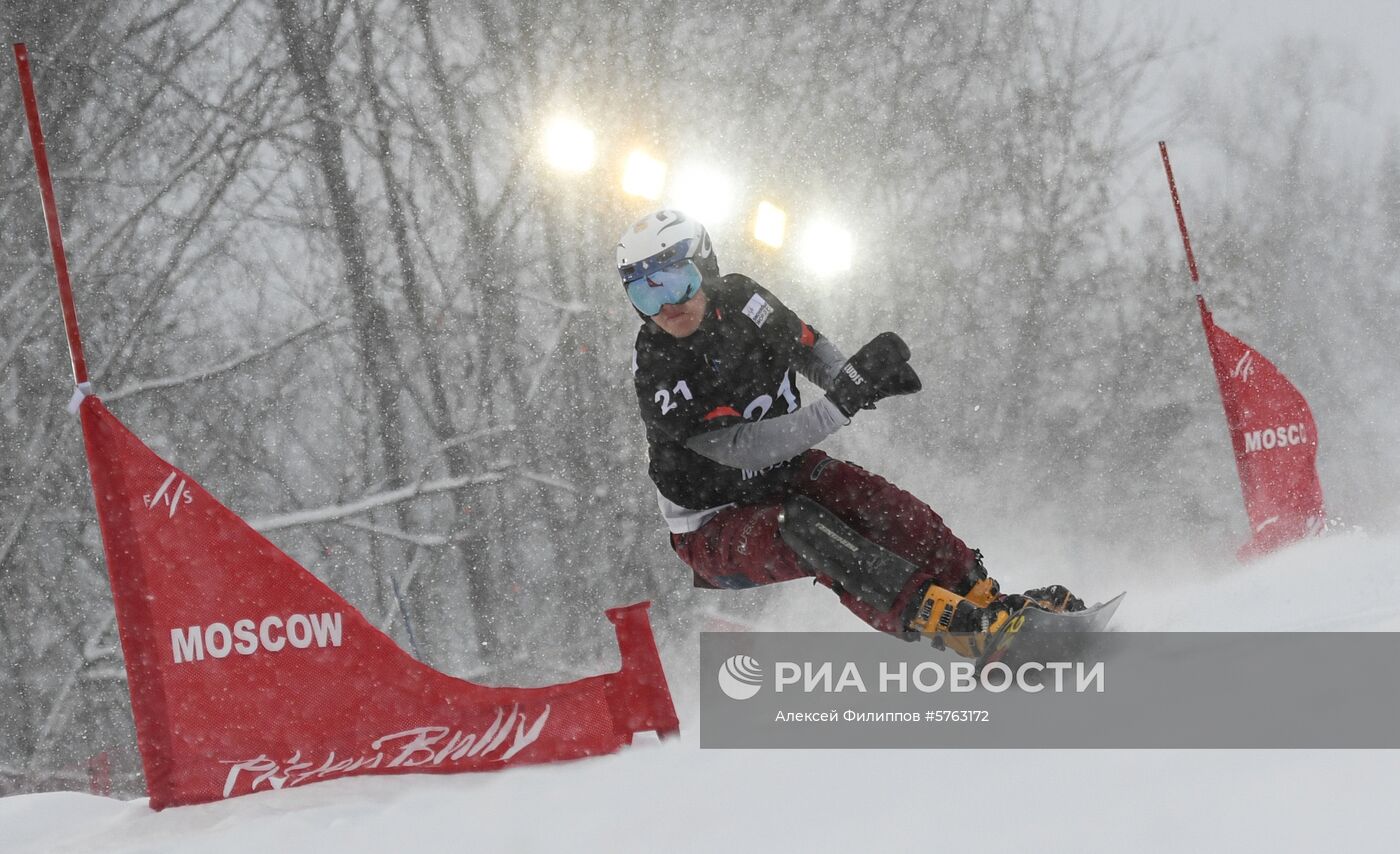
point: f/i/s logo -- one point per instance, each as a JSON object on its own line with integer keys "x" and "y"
{"x": 1244, "y": 368}
{"x": 740, "y": 677}
{"x": 170, "y": 495}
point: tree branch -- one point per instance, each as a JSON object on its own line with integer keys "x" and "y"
{"x": 336, "y": 512}
{"x": 405, "y": 536}
{"x": 142, "y": 386}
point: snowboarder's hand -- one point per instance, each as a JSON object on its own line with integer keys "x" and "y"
{"x": 1056, "y": 598}
{"x": 877, "y": 370}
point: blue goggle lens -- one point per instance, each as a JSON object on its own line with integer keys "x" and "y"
{"x": 668, "y": 286}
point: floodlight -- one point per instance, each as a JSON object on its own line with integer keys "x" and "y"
{"x": 703, "y": 193}
{"x": 643, "y": 176}
{"x": 827, "y": 248}
{"x": 569, "y": 146}
{"x": 769, "y": 224}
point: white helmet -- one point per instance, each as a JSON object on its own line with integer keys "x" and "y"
{"x": 662, "y": 238}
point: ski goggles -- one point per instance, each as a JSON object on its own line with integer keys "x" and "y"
{"x": 670, "y": 285}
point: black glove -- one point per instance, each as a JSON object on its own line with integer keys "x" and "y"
{"x": 877, "y": 370}
{"x": 1056, "y": 598}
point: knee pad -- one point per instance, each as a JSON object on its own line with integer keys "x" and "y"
{"x": 826, "y": 545}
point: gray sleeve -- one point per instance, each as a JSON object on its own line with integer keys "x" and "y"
{"x": 772, "y": 440}
{"x": 820, "y": 363}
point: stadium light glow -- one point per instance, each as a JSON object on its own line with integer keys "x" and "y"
{"x": 643, "y": 176}
{"x": 569, "y": 146}
{"x": 827, "y": 249}
{"x": 703, "y": 193}
{"x": 769, "y": 225}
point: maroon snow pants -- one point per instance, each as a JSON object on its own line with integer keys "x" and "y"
{"x": 740, "y": 547}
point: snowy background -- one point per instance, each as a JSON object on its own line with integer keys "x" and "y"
{"x": 318, "y": 255}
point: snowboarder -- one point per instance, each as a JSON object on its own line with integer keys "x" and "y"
{"x": 747, "y": 498}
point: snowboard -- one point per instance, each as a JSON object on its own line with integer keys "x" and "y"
{"x": 1045, "y": 636}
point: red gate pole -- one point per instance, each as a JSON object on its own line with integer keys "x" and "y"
{"x": 1206, "y": 320}
{"x": 1180, "y": 219}
{"x": 60, "y": 260}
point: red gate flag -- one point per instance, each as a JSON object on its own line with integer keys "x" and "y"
{"x": 248, "y": 673}
{"x": 1275, "y": 441}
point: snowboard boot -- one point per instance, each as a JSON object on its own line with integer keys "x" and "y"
{"x": 983, "y": 593}
{"x": 956, "y": 622}
{"x": 978, "y": 588}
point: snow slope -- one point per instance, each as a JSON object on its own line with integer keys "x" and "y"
{"x": 674, "y": 797}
